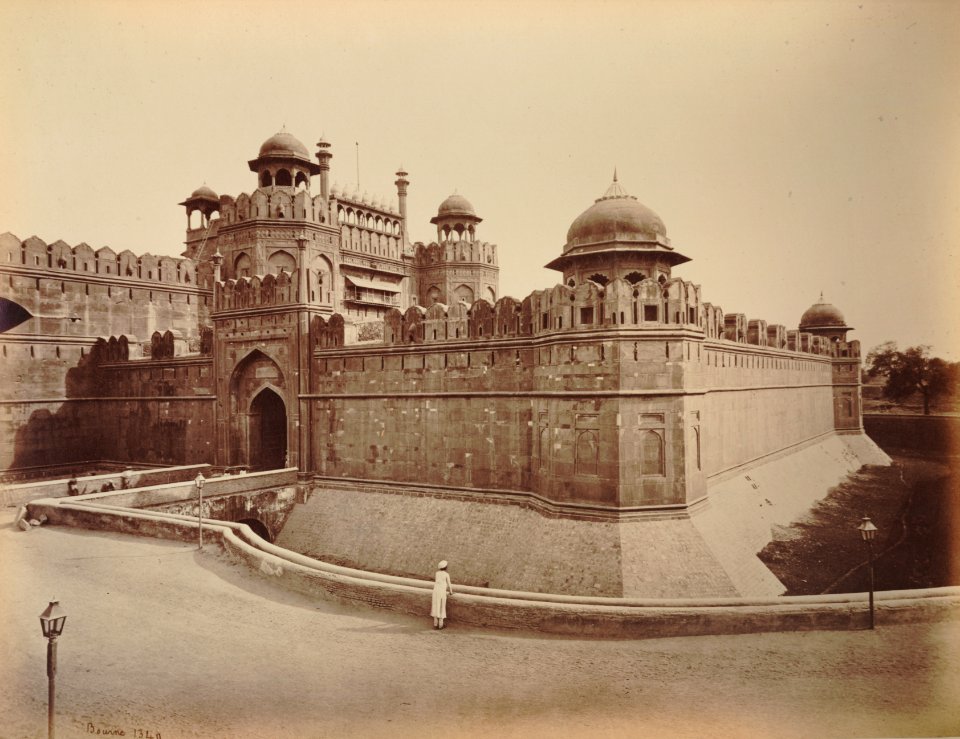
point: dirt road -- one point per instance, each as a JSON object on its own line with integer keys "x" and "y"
{"x": 164, "y": 642}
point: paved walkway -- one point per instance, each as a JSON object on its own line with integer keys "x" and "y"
{"x": 162, "y": 641}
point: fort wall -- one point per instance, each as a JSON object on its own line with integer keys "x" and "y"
{"x": 536, "y": 396}
{"x": 52, "y": 406}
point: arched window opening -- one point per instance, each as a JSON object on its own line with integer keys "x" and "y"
{"x": 242, "y": 266}
{"x": 283, "y": 178}
{"x": 587, "y": 447}
{"x": 696, "y": 439}
{"x": 266, "y": 179}
{"x": 301, "y": 181}
{"x": 599, "y": 279}
{"x": 544, "y": 447}
{"x": 651, "y": 454}
{"x": 634, "y": 277}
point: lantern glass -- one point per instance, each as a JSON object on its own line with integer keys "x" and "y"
{"x": 200, "y": 479}
{"x": 52, "y": 620}
{"x": 867, "y": 530}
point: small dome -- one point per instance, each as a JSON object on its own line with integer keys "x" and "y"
{"x": 820, "y": 315}
{"x": 204, "y": 193}
{"x": 284, "y": 144}
{"x": 456, "y": 205}
{"x": 616, "y": 215}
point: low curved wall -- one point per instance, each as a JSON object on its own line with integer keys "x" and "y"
{"x": 556, "y": 614}
{"x": 21, "y": 493}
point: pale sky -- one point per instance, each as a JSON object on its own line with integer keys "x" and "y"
{"x": 790, "y": 148}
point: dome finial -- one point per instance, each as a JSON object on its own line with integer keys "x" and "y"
{"x": 615, "y": 190}
{"x": 821, "y": 297}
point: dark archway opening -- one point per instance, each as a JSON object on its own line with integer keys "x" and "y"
{"x": 268, "y": 431}
{"x": 259, "y": 528}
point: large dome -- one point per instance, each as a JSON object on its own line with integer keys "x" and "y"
{"x": 284, "y": 144}
{"x": 820, "y": 315}
{"x": 616, "y": 216}
{"x": 456, "y": 205}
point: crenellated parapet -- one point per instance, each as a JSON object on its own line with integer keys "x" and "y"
{"x": 115, "y": 349}
{"x": 82, "y": 261}
{"x": 448, "y": 252}
{"x": 275, "y": 202}
{"x": 258, "y": 291}
{"x": 162, "y": 345}
{"x": 777, "y": 336}
{"x": 327, "y": 333}
{"x": 735, "y": 328}
{"x": 713, "y": 321}
{"x": 647, "y": 304}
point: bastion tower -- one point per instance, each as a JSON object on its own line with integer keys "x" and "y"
{"x": 825, "y": 320}
{"x": 457, "y": 266}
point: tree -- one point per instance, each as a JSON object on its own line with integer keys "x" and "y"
{"x": 912, "y": 371}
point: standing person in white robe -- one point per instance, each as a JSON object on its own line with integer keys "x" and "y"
{"x": 441, "y": 588}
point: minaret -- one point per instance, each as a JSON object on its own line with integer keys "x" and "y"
{"x": 324, "y": 156}
{"x": 401, "y": 184}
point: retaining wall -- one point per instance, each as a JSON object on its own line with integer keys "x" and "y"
{"x": 522, "y": 541}
{"x": 575, "y": 616}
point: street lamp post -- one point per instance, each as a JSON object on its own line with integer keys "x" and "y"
{"x": 51, "y": 623}
{"x": 868, "y": 532}
{"x": 200, "y": 479}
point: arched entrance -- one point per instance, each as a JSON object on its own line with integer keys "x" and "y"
{"x": 257, "y": 416}
{"x": 268, "y": 431}
{"x": 258, "y": 527}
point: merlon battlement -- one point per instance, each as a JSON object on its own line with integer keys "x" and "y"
{"x": 452, "y": 251}
{"x": 59, "y": 257}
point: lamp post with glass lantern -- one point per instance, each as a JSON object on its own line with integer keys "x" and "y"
{"x": 51, "y": 623}
{"x": 868, "y": 532}
{"x": 200, "y": 479}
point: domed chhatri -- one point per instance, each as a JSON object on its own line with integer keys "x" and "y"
{"x": 616, "y": 216}
{"x": 457, "y": 205}
{"x": 824, "y": 319}
{"x": 456, "y": 219}
{"x": 615, "y": 237}
{"x": 204, "y": 201}
{"x": 204, "y": 193}
{"x": 821, "y": 315}
{"x": 284, "y": 144}
{"x": 284, "y": 161}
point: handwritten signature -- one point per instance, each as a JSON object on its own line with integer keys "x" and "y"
{"x": 136, "y": 732}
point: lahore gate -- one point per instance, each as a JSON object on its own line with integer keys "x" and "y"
{"x": 615, "y": 434}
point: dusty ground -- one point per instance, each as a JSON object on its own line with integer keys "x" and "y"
{"x": 163, "y": 642}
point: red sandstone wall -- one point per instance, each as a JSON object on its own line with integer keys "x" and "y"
{"x": 45, "y": 411}
{"x": 610, "y": 418}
